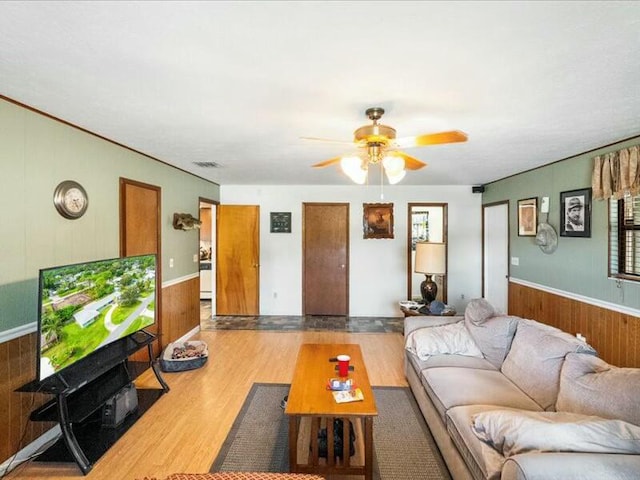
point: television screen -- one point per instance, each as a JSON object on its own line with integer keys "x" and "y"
{"x": 86, "y": 306}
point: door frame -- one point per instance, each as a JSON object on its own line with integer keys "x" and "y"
{"x": 508, "y": 249}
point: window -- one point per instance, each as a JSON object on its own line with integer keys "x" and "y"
{"x": 624, "y": 237}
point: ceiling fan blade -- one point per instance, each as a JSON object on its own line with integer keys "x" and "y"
{"x": 327, "y": 140}
{"x": 326, "y": 163}
{"x": 431, "y": 139}
{"x": 410, "y": 163}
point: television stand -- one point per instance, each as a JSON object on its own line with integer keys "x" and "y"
{"x": 81, "y": 392}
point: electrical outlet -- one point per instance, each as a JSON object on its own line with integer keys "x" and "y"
{"x": 171, "y": 263}
{"x": 515, "y": 260}
{"x": 195, "y": 258}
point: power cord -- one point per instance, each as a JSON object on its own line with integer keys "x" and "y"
{"x": 14, "y": 463}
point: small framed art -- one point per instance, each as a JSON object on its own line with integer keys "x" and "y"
{"x": 378, "y": 220}
{"x": 527, "y": 217}
{"x": 280, "y": 222}
{"x": 575, "y": 213}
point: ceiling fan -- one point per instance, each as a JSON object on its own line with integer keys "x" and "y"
{"x": 377, "y": 145}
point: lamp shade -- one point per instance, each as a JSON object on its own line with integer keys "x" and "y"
{"x": 430, "y": 258}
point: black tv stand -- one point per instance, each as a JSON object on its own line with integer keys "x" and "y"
{"x": 81, "y": 391}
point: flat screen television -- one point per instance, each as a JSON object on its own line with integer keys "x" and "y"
{"x": 86, "y": 306}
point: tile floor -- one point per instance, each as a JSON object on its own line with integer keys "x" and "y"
{"x": 294, "y": 323}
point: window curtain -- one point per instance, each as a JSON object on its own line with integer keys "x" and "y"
{"x": 616, "y": 174}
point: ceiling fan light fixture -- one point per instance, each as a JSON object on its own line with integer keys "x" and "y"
{"x": 354, "y": 169}
{"x": 394, "y": 168}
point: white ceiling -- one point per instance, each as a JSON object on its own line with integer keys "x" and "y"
{"x": 238, "y": 83}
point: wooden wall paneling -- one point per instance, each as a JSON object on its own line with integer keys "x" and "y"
{"x": 181, "y": 308}
{"x": 614, "y": 335}
{"x": 17, "y": 367}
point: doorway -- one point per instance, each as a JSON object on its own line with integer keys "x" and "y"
{"x": 427, "y": 222}
{"x": 207, "y": 266}
{"x": 495, "y": 255}
{"x": 325, "y": 259}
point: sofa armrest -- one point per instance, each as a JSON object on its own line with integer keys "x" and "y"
{"x": 414, "y": 323}
{"x": 560, "y": 466}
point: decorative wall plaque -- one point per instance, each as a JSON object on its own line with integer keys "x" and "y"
{"x": 280, "y": 222}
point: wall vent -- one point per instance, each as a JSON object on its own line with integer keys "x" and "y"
{"x": 207, "y": 164}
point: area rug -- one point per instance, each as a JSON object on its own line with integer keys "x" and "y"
{"x": 403, "y": 446}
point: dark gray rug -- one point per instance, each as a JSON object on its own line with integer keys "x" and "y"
{"x": 403, "y": 446}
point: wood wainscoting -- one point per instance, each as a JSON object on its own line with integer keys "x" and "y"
{"x": 614, "y": 335}
{"x": 18, "y": 367}
{"x": 180, "y": 309}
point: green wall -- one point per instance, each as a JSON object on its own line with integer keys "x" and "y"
{"x": 37, "y": 153}
{"x": 579, "y": 265}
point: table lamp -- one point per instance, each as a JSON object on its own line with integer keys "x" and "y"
{"x": 431, "y": 259}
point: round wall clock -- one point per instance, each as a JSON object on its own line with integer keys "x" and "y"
{"x": 70, "y": 199}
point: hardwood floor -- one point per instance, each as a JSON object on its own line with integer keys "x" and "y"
{"x": 185, "y": 429}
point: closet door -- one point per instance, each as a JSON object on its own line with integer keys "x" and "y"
{"x": 325, "y": 263}
{"x": 139, "y": 235}
{"x": 238, "y": 260}
{"x": 495, "y": 255}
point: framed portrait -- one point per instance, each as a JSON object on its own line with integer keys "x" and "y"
{"x": 280, "y": 222}
{"x": 575, "y": 213}
{"x": 378, "y": 220}
{"x": 527, "y": 217}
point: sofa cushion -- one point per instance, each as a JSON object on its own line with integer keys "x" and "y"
{"x": 493, "y": 337}
{"x": 436, "y": 361}
{"x": 563, "y": 466}
{"x": 478, "y": 310}
{"x": 451, "y": 339}
{"x": 535, "y": 359}
{"x": 449, "y": 387}
{"x": 587, "y": 383}
{"x": 482, "y": 460}
{"x": 512, "y": 432}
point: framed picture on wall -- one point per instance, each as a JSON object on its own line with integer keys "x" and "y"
{"x": 527, "y": 217}
{"x": 575, "y": 213}
{"x": 378, "y": 220}
{"x": 280, "y": 222}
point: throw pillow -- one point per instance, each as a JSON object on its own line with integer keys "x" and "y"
{"x": 512, "y": 432}
{"x": 478, "y": 310}
{"x": 536, "y": 357}
{"x": 493, "y": 337}
{"x": 591, "y": 386}
{"x": 451, "y": 339}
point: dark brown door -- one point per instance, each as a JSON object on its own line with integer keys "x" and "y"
{"x": 140, "y": 235}
{"x": 325, "y": 251}
{"x": 238, "y": 260}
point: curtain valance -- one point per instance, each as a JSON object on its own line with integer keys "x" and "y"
{"x": 616, "y": 174}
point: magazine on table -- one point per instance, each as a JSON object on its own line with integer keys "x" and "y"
{"x": 345, "y": 396}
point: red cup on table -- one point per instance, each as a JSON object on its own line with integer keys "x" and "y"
{"x": 343, "y": 365}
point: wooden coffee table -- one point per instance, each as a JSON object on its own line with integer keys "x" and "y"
{"x": 311, "y": 407}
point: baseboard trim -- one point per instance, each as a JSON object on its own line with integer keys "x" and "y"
{"x": 189, "y": 334}
{"x": 27, "y": 452}
{"x": 580, "y": 298}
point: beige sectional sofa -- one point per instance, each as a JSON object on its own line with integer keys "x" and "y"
{"x": 509, "y": 398}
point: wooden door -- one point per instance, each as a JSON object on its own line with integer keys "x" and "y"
{"x": 325, "y": 251}
{"x": 238, "y": 260}
{"x": 139, "y": 235}
{"x": 495, "y": 257}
